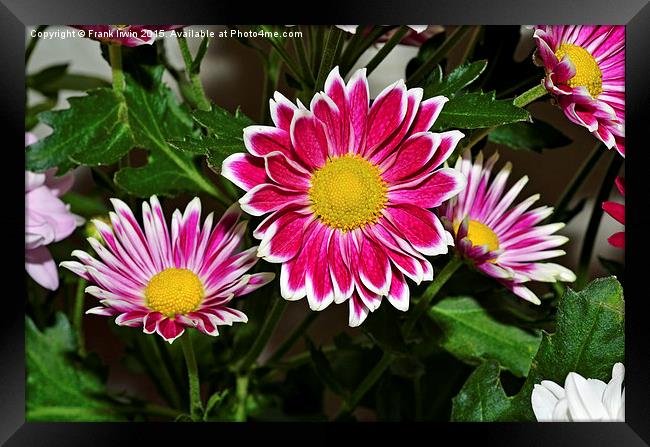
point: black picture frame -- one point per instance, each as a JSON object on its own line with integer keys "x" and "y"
{"x": 635, "y": 14}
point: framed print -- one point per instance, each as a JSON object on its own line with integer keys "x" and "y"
{"x": 232, "y": 219}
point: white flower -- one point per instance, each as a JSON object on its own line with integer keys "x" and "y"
{"x": 581, "y": 400}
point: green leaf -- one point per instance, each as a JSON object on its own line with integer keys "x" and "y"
{"x": 225, "y": 135}
{"x": 54, "y": 78}
{"x": 200, "y": 54}
{"x": 478, "y": 110}
{"x": 39, "y": 81}
{"x": 155, "y": 117}
{"x": 76, "y": 82}
{"x": 533, "y": 136}
{"x": 589, "y": 340}
{"x": 482, "y": 398}
{"x": 31, "y": 114}
{"x": 93, "y": 131}
{"x": 213, "y": 402}
{"x": 472, "y": 334}
{"x": 57, "y": 388}
{"x": 458, "y": 79}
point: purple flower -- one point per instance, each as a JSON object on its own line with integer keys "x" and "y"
{"x": 47, "y": 220}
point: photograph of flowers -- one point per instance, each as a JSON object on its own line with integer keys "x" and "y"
{"x": 325, "y": 223}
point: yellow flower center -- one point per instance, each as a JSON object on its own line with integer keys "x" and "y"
{"x": 348, "y": 193}
{"x": 480, "y": 234}
{"x": 588, "y": 72}
{"x": 174, "y": 291}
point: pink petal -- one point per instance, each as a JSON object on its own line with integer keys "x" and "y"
{"x": 244, "y": 170}
{"x": 309, "y": 139}
{"x": 358, "y": 311}
{"x": 265, "y": 198}
{"x": 428, "y": 113}
{"x": 342, "y": 283}
{"x": 41, "y": 267}
{"x": 169, "y": 329}
{"x": 281, "y": 111}
{"x": 617, "y": 239}
{"x": 411, "y": 157}
{"x": 358, "y": 98}
{"x": 283, "y": 239}
{"x": 262, "y": 140}
{"x": 616, "y": 210}
{"x": 430, "y": 191}
{"x": 320, "y": 292}
{"x": 386, "y": 114}
{"x": 286, "y": 172}
{"x": 398, "y": 295}
{"x": 374, "y": 269}
{"x": 420, "y": 227}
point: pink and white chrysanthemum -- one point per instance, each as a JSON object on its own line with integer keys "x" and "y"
{"x": 501, "y": 240}
{"x": 166, "y": 281}
{"x": 617, "y": 211}
{"x": 585, "y": 71}
{"x": 347, "y": 186}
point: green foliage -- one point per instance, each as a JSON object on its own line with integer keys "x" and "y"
{"x": 473, "y": 334}
{"x": 58, "y": 387}
{"x": 155, "y": 117}
{"x": 93, "y": 131}
{"x": 478, "y": 110}
{"x": 533, "y": 136}
{"x": 457, "y": 80}
{"x": 101, "y": 128}
{"x": 224, "y": 135}
{"x": 54, "y": 78}
{"x": 589, "y": 340}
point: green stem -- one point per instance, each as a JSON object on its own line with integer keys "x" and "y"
{"x": 423, "y": 304}
{"x": 594, "y": 222}
{"x": 196, "y": 407}
{"x": 331, "y": 46}
{"x": 531, "y": 80}
{"x": 304, "y": 63}
{"x": 356, "y": 48}
{"x": 115, "y": 56}
{"x": 293, "y": 337}
{"x": 530, "y": 95}
{"x": 387, "y": 48}
{"x": 473, "y": 38}
{"x": 32, "y": 42}
{"x": 317, "y": 47}
{"x": 438, "y": 56}
{"x": 577, "y": 181}
{"x": 78, "y": 315}
{"x": 288, "y": 61}
{"x": 158, "y": 369}
{"x": 201, "y": 99}
{"x": 277, "y": 309}
{"x": 367, "y": 383}
{"x": 242, "y": 397}
{"x": 430, "y": 292}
